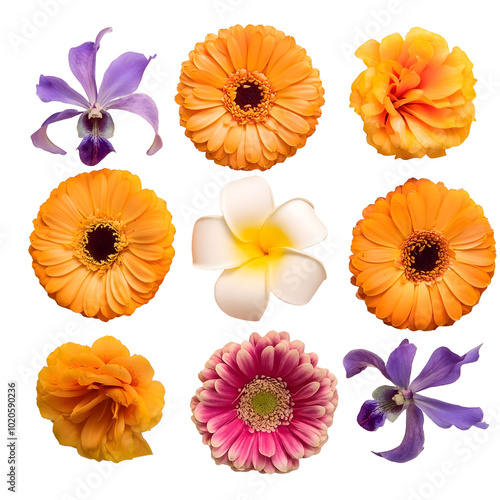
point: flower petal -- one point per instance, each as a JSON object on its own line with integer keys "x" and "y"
{"x": 293, "y": 224}
{"x": 445, "y": 414}
{"x": 243, "y": 292}
{"x": 443, "y": 368}
{"x": 93, "y": 149}
{"x": 82, "y": 64}
{"x": 51, "y": 88}
{"x": 400, "y": 362}
{"x": 413, "y": 441}
{"x": 122, "y": 77}
{"x": 246, "y": 204}
{"x": 40, "y": 138}
{"x": 371, "y": 416}
{"x": 145, "y": 107}
{"x": 294, "y": 276}
{"x": 216, "y": 247}
{"x": 357, "y": 360}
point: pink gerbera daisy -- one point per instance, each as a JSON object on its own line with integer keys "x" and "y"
{"x": 264, "y": 404}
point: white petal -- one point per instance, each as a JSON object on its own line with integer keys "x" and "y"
{"x": 216, "y": 247}
{"x": 294, "y": 276}
{"x": 293, "y": 224}
{"x": 246, "y": 204}
{"x": 243, "y": 293}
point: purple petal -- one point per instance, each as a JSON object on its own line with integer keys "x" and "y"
{"x": 144, "y": 106}
{"x": 357, "y": 360}
{"x": 51, "y": 88}
{"x": 413, "y": 441}
{"x": 443, "y": 368}
{"x": 371, "y": 417}
{"x": 445, "y": 414}
{"x": 82, "y": 64}
{"x": 93, "y": 149}
{"x": 40, "y": 138}
{"x": 122, "y": 77}
{"x": 400, "y": 362}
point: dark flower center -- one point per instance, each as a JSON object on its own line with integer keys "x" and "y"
{"x": 425, "y": 255}
{"x": 101, "y": 243}
{"x": 248, "y": 95}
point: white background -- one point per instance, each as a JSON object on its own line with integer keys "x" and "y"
{"x": 182, "y": 326}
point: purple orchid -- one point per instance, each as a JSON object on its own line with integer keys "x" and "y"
{"x": 95, "y": 125}
{"x": 389, "y": 402}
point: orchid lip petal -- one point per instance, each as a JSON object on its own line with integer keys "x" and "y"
{"x": 413, "y": 441}
{"x": 400, "y": 362}
{"x": 51, "y": 88}
{"x": 82, "y": 64}
{"x": 243, "y": 292}
{"x": 40, "y": 138}
{"x": 122, "y": 77}
{"x": 443, "y": 368}
{"x": 214, "y": 246}
{"x": 294, "y": 276}
{"x": 93, "y": 149}
{"x": 370, "y": 416}
{"x": 357, "y": 360}
{"x": 246, "y": 204}
{"x": 145, "y": 107}
{"x": 445, "y": 414}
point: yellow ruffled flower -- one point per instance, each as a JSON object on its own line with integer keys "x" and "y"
{"x": 416, "y": 96}
{"x": 100, "y": 399}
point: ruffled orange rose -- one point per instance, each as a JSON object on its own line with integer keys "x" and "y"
{"x": 100, "y": 399}
{"x": 415, "y": 98}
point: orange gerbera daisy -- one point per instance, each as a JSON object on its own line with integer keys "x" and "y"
{"x": 422, "y": 256}
{"x": 102, "y": 245}
{"x": 100, "y": 399}
{"x": 249, "y": 97}
{"x": 415, "y": 98}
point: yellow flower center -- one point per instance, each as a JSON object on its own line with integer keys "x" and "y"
{"x": 425, "y": 256}
{"x": 265, "y": 404}
{"x": 248, "y": 96}
{"x": 99, "y": 242}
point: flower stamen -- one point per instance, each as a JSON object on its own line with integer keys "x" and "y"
{"x": 265, "y": 404}
{"x": 99, "y": 242}
{"x": 248, "y": 96}
{"x": 425, "y": 256}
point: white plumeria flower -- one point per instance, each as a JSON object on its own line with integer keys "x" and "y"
{"x": 259, "y": 248}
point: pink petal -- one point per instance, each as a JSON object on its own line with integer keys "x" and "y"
{"x": 229, "y": 375}
{"x": 226, "y": 390}
{"x": 300, "y": 375}
{"x": 267, "y": 444}
{"x": 292, "y": 445}
{"x": 226, "y": 435}
{"x": 280, "y": 459}
{"x": 288, "y": 362}
{"x": 307, "y": 391}
{"x": 246, "y": 364}
{"x": 307, "y": 434}
{"x": 267, "y": 360}
{"x": 223, "y": 418}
